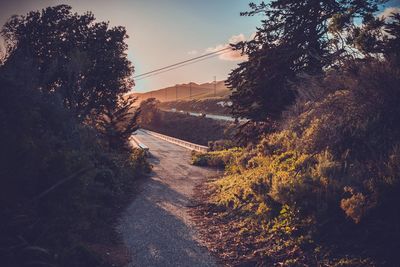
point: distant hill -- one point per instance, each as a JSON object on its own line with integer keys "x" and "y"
{"x": 190, "y": 91}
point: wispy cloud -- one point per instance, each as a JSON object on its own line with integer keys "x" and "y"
{"x": 232, "y": 55}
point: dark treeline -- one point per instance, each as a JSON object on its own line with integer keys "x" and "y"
{"x": 65, "y": 161}
{"x": 318, "y": 184}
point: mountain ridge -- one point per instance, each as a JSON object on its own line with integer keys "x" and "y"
{"x": 186, "y": 91}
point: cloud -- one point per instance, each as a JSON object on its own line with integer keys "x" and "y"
{"x": 237, "y": 38}
{"x": 232, "y": 55}
{"x": 387, "y": 12}
{"x": 193, "y": 52}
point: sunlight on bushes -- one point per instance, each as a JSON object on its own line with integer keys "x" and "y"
{"x": 331, "y": 165}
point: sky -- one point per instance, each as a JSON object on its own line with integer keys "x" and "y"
{"x": 163, "y": 32}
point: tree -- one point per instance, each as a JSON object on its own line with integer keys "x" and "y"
{"x": 379, "y": 36}
{"x": 82, "y": 60}
{"x": 118, "y": 123}
{"x": 150, "y": 114}
{"x": 60, "y": 74}
{"x": 296, "y": 38}
{"x": 393, "y": 43}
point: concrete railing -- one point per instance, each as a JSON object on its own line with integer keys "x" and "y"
{"x": 133, "y": 142}
{"x": 177, "y": 141}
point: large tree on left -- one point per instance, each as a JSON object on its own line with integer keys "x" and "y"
{"x": 83, "y": 61}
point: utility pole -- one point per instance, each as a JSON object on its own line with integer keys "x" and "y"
{"x": 176, "y": 92}
{"x": 166, "y": 94}
{"x": 215, "y": 85}
{"x": 190, "y": 90}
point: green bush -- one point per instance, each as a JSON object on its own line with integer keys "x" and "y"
{"x": 217, "y": 159}
{"x": 221, "y": 144}
{"x": 64, "y": 168}
{"x": 334, "y": 164}
{"x": 57, "y": 179}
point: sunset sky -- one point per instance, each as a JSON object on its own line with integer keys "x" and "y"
{"x": 164, "y": 32}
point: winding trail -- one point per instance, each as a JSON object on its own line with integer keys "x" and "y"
{"x": 156, "y": 227}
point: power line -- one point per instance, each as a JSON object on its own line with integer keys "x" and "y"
{"x": 176, "y": 67}
{"x": 182, "y": 62}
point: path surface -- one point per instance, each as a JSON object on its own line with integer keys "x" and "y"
{"x": 156, "y": 227}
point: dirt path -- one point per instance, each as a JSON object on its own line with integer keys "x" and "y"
{"x": 156, "y": 227}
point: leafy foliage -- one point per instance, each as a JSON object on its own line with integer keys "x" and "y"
{"x": 318, "y": 187}
{"x": 219, "y": 159}
{"x": 297, "y": 38}
{"x": 84, "y": 61}
{"x": 150, "y": 112}
{"x": 333, "y": 164}
{"x": 118, "y": 123}
{"x": 60, "y": 173}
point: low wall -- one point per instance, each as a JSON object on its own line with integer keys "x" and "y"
{"x": 179, "y": 142}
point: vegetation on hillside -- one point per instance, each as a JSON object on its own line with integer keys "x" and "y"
{"x": 325, "y": 187}
{"x": 206, "y": 106}
{"x": 66, "y": 165}
{"x": 313, "y": 179}
{"x": 322, "y": 187}
{"x": 296, "y": 39}
{"x": 219, "y": 159}
{"x": 197, "y": 130}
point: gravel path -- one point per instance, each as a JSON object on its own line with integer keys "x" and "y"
{"x": 156, "y": 227}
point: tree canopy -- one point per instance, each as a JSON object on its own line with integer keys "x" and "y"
{"x": 296, "y": 38}
{"x": 64, "y": 129}
{"x": 83, "y": 60}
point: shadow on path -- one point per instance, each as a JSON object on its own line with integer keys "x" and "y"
{"x": 156, "y": 227}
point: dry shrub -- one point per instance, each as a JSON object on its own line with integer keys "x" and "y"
{"x": 335, "y": 160}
